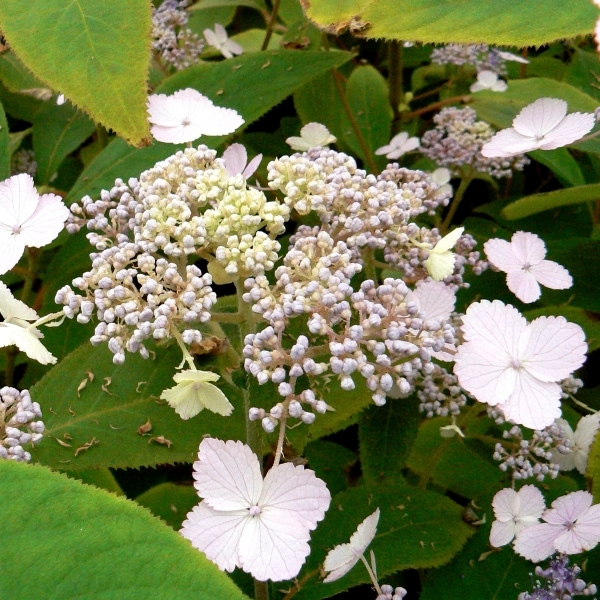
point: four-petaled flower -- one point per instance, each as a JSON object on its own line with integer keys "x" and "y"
{"x": 488, "y": 80}
{"x": 400, "y": 144}
{"x": 312, "y": 135}
{"x": 581, "y": 440}
{"x": 194, "y": 393}
{"x": 26, "y": 219}
{"x": 236, "y": 161}
{"x": 514, "y": 511}
{"x": 542, "y": 125}
{"x": 515, "y": 366}
{"x": 261, "y": 526}
{"x": 571, "y": 526}
{"x": 218, "y": 39}
{"x": 522, "y": 259}
{"x": 186, "y": 115}
{"x": 440, "y": 262}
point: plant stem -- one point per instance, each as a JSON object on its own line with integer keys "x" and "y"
{"x": 235, "y": 317}
{"x": 9, "y": 368}
{"x": 369, "y": 264}
{"x": 462, "y": 188}
{"x": 436, "y": 105}
{"x": 261, "y": 590}
{"x": 337, "y": 78}
{"x": 271, "y": 24}
{"x": 29, "y": 278}
{"x": 371, "y": 574}
{"x": 395, "y": 82}
{"x": 186, "y": 355}
{"x": 281, "y": 439}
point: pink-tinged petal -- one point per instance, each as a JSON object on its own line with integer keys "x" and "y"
{"x": 540, "y": 117}
{"x": 572, "y": 128}
{"x": 501, "y": 255}
{"x": 531, "y": 502}
{"x": 340, "y": 561}
{"x": 505, "y": 504}
{"x": 297, "y": 492}
{"x": 508, "y": 143}
{"x": 161, "y": 113}
{"x": 216, "y": 120}
{"x": 11, "y": 308}
{"x": 227, "y": 475}
{"x": 536, "y": 543}
{"x": 365, "y": 532}
{"x": 233, "y": 47}
{"x": 569, "y": 508}
{"x": 528, "y": 248}
{"x": 435, "y": 299}
{"x": 483, "y": 373}
{"x": 252, "y": 166}
{"x": 11, "y": 250}
{"x": 587, "y": 528}
{"x": 273, "y": 546}
{"x": 502, "y": 533}
{"x": 235, "y": 158}
{"x": 523, "y": 285}
{"x": 211, "y": 38}
{"x": 215, "y": 533}
{"x": 552, "y": 348}
{"x": 552, "y": 275}
{"x": 384, "y": 150}
{"x": 18, "y": 200}
{"x": 586, "y": 431}
{"x": 534, "y": 403}
{"x": 220, "y": 33}
{"x": 47, "y": 221}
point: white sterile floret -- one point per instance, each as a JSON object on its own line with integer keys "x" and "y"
{"x": 218, "y": 39}
{"x": 516, "y": 366}
{"x": 312, "y": 135}
{"x": 260, "y": 526}
{"x": 511, "y": 57}
{"x": 236, "y": 161}
{"x": 514, "y": 511}
{"x": 580, "y": 443}
{"x": 542, "y": 125}
{"x": 442, "y": 177}
{"x": 342, "y": 558}
{"x": 400, "y": 144}
{"x": 571, "y": 526}
{"x": 186, "y": 115}
{"x": 26, "y": 219}
{"x": 15, "y": 330}
{"x": 523, "y": 262}
{"x": 488, "y": 80}
{"x": 440, "y": 263}
{"x": 194, "y": 392}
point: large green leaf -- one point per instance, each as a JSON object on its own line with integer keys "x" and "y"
{"x": 528, "y": 23}
{"x": 5, "y": 152}
{"x": 57, "y": 131}
{"x": 170, "y": 502}
{"x": 331, "y": 462}
{"x": 96, "y": 53}
{"x": 593, "y": 468}
{"x": 111, "y": 416}
{"x": 417, "y": 529}
{"x": 88, "y": 544}
{"x": 561, "y": 163}
{"x": 536, "y": 203}
{"x": 501, "y": 109}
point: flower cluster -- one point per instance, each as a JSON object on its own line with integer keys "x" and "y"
{"x": 175, "y": 43}
{"x": 23, "y": 161}
{"x": 18, "y": 424}
{"x": 480, "y": 56}
{"x": 456, "y": 142}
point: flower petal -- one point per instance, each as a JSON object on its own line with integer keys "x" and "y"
{"x": 531, "y": 502}
{"x": 502, "y": 533}
{"x": 235, "y": 158}
{"x": 571, "y": 128}
{"x": 569, "y": 508}
{"x": 523, "y": 285}
{"x": 18, "y": 200}
{"x": 528, "y": 248}
{"x": 11, "y": 308}
{"x": 252, "y": 166}
{"x": 46, "y": 222}
{"x": 508, "y": 142}
{"x": 540, "y": 117}
{"x": 11, "y": 250}
{"x": 340, "y": 561}
{"x": 298, "y": 143}
{"x": 501, "y": 255}
{"x": 435, "y": 299}
{"x": 27, "y": 341}
{"x": 536, "y": 543}
{"x": 552, "y": 275}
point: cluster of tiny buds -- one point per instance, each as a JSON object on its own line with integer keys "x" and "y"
{"x": 23, "y": 161}
{"x": 570, "y": 386}
{"x": 531, "y": 458}
{"x": 389, "y": 593}
{"x": 440, "y": 395}
{"x": 480, "y": 56}
{"x": 18, "y": 424}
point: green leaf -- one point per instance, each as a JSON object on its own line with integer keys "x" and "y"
{"x": 593, "y": 468}
{"x": 87, "y": 543}
{"x": 206, "y": 4}
{"x": 582, "y": 72}
{"x": 501, "y": 109}
{"x": 202, "y": 18}
{"x": 15, "y": 139}
{"x": 101, "y": 478}
{"x": 587, "y": 321}
{"x": 367, "y": 94}
{"x": 417, "y": 529}
{"x": 536, "y": 203}
{"x": 57, "y": 131}
{"x": 332, "y": 463}
{"x": 112, "y": 415}
{"x": 562, "y": 164}
{"x": 386, "y": 434}
{"x": 5, "y": 152}
{"x": 251, "y": 40}
{"x": 535, "y": 22}
{"x": 170, "y": 502}
{"x": 96, "y": 53}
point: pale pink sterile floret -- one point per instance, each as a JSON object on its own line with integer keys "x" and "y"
{"x": 543, "y": 125}
{"x": 516, "y": 366}
{"x": 572, "y": 525}
{"x": 523, "y": 261}
{"x": 26, "y": 219}
{"x": 236, "y": 161}
{"x": 514, "y": 511}
{"x": 260, "y": 526}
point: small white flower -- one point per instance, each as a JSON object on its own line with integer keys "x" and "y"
{"x": 442, "y": 177}
{"x": 342, "y": 558}
{"x": 186, "y": 115}
{"x": 60, "y": 100}
{"x": 511, "y": 57}
{"x": 400, "y": 144}
{"x": 514, "y": 511}
{"x": 571, "y": 526}
{"x": 312, "y": 135}
{"x": 262, "y": 527}
{"x": 488, "y": 80}
{"x": 542, "y": 125}
{"x": 516, "y": 366}
{"x": 15, "y": 330}
{"x": 218, "y": 39}
{"x": 523, "y": 262}
{"x": 440, "y": 263}
{"x": 26, "y": 219}
{"x": 194, "y": 393}
{"x": 581, "y": 441}
{"x": 236, "y": 161}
